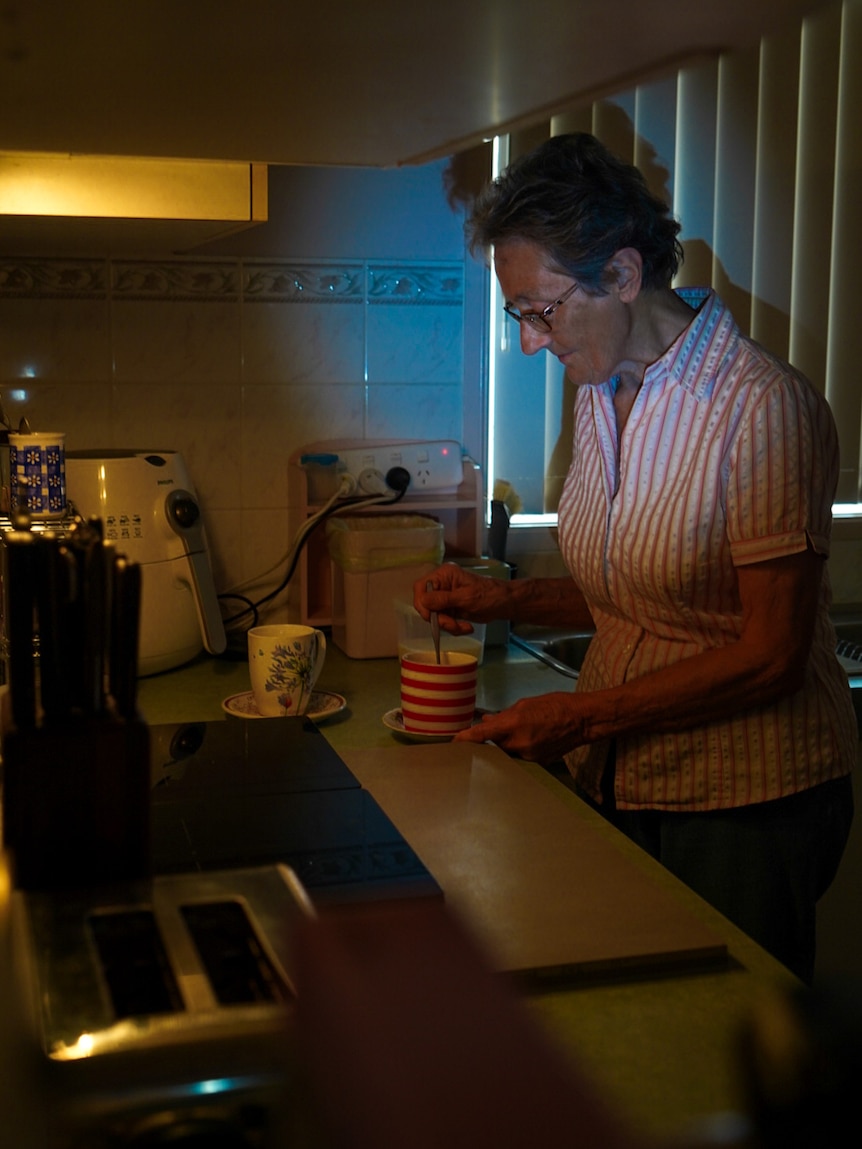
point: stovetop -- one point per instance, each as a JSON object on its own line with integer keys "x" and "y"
{"x": 239, "y": 793}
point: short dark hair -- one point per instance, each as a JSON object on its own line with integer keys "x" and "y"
{"x": 582, "y": 204}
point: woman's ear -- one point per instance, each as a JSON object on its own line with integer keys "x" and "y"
{"x": 625, "y": 273}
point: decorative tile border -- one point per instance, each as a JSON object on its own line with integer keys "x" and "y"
{"x": 272, "y": 281}
{"x": 308, "y": 283}
{"x": 53, "y": 279}
{"x": 142, "y": 279}
{"x": 424, "y": 284}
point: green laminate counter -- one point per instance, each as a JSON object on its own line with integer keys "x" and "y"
{"x": 663, "y": 1047}
{"x": 194, "y": 693}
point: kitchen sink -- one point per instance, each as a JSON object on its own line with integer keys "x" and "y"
{"x": 563, "y": 651}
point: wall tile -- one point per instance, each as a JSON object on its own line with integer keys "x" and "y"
{"x": 279, "y": 419}
{"x": 175, "y": 280}
{"x": 182, "y": 341}
{"x": 415, "y": 324}
{"x": 60, "y": 340}
{"x": 265, "y": 539}
{"x": 414, "y": 412}
{"x": 415, "y": 344}
{"x": 82, "y": 410}
{"x": 202, "y": 423}
{"x": 291, "y": 281}
{"x": 175, "y": 320}
{"x": 303, "y": 342}
{"x": 303, "y": 322}
{"x": 413, "y": 283}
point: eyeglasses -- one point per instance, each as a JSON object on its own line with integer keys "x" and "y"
{"x": 539, "y": 319}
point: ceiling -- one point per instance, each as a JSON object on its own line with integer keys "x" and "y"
{"x": 344, "y": 82}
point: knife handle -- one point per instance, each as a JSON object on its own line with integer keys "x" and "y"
{"x": 52, "y": 594}
{"x": 125, "y": 626}
{"x": 20, "y": 603}
{"x": 95, "y": 591}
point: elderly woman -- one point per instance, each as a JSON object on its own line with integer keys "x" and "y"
{"x": 712, "y": 721}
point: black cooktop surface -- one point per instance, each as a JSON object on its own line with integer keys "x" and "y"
{"x": 238, "y": 793}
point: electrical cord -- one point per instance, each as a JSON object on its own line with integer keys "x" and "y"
{"x": 340, "y": 498}
{"x": 335, "y": 504}
{"x": 251, "y": 608}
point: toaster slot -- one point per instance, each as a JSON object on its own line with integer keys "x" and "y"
{"x": 239, "y": 970}
{"x": 134, "y": 963}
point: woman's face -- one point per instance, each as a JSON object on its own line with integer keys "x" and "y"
{"x": 589, "y": 333}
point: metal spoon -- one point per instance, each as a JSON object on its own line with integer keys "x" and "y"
{"x": 435, "y": 626}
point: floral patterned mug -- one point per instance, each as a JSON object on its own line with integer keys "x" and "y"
{"x": 284, "y": 661}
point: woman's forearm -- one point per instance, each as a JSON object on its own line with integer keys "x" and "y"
{"x": 549, "y": 602}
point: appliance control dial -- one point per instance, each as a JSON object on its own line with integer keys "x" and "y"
{"x": 184, "y": 510}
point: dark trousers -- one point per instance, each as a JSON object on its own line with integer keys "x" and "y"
{"x": 763, "y": 866}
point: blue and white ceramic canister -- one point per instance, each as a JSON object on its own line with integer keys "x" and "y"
{"x": 37, "y": 473}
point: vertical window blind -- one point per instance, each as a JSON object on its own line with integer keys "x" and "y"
{"x": 759, "y": 154}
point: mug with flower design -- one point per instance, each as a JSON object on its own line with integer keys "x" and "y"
{"x": 284, "y": 662}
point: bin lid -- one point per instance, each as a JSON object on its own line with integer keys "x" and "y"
{"x": 380, "y": 542}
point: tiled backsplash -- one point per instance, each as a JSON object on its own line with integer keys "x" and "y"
{"x": 234, "y": 363}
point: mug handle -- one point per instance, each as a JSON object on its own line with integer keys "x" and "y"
{"x": 319, "y": 656}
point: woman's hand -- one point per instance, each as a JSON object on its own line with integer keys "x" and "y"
{"x": 459, "y": 596}
{"x": 540, "y": 729}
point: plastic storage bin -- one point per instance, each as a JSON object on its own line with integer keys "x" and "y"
{"x": 375, "y": 561}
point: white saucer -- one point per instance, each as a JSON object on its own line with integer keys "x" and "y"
{"x": 323, "y": 705}
{"x": 394, "y": 720}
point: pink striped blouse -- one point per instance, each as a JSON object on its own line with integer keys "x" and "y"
{"x": 728, "y": 457}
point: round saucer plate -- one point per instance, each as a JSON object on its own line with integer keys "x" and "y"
{"x": 394, "y": 721}
{"x": 323, "y": 705}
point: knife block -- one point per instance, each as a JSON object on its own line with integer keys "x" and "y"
{"x": 76, "y": 802}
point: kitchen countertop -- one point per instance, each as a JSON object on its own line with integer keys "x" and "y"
{"x": 194, "y": 693}
{"x": 663, "y": 1047}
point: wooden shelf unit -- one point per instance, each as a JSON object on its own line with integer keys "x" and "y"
{"x": 461, "y": 513}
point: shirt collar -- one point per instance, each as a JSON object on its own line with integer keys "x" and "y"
{"x": 693, "y": 359}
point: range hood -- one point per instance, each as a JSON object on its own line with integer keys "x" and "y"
{"x": 78, "y": 204}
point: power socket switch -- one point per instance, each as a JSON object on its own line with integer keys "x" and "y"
{"x": 433, "y": 467}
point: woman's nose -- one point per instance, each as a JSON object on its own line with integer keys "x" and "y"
{"x": 533, "y": 338}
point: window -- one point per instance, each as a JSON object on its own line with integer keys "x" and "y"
{"x": 759, "y": 154}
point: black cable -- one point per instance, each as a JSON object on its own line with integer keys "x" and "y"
{"x": 250, "y": 606}
{"x": 254, "y": 607}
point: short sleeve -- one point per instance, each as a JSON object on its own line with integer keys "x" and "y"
{"x": 783, "y": 474}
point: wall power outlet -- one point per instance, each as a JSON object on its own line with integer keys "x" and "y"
{"x": 433, "y": 466}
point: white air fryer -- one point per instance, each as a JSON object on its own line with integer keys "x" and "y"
{"x": 149, "y": 509}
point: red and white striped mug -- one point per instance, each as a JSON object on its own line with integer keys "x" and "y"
{"x": 438, "y": 698}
